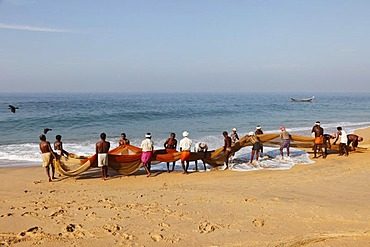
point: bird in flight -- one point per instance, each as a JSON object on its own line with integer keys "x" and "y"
{"x": 46, "y": 130}
{"x": 13, "y": 108}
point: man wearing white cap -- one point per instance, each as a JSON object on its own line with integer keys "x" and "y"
{"x": 147, "y": 147}
{"x": 185, "y": 146}
{"x": 234, "y": 136}
{"x": 259, "y": 132}
{"x": 200, "y": 147}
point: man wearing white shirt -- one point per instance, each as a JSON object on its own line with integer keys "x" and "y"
{"x": 342, "y": 136}
{"x": 147, "y": 147}
{"x": 185, "y": 146}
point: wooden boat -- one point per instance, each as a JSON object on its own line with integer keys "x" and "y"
{"x": 302, "y": 99}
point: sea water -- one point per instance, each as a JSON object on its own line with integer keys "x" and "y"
{"x": 81, "y": 117}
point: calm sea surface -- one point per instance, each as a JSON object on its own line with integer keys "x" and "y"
{"x": 80, "y": 118}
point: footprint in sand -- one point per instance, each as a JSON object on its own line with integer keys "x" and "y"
{"x": 57, "y": 213}
{"x": 156, "y": 237}
{"x": 84, "y": 208}
{"x": 164, "y": 225}
{"x": 112, "y": 228}
{"x": 258, "y": 222}
{"x": 250, "y": 200}
{"x": 29, "y": 214}
{"x": 73, "y": 230}
{"x": 206, "y": 227}
{"x": 6, "y": 215}
{"x": 31, "y": 231}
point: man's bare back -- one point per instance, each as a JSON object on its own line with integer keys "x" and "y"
{"x": 102, "y": 147}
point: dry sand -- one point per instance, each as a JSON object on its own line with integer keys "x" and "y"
{"x": 322, "y": 204}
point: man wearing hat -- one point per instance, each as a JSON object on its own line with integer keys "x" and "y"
{"x": 259, "y": 132}
{"x": 234, "y": 136}
{"x": 201, "y": 147}
{"x": 147, "y": 147}
{"x": 318, "y": 131}
{"x": 185, "y": 146}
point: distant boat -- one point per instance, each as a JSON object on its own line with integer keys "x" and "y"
{"x": 302, "y": 99}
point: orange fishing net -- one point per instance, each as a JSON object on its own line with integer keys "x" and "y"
{"x": 126, "y": 159}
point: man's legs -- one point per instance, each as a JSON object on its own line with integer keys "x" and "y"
{"x": 48, "y": 172}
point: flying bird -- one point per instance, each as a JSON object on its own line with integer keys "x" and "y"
{"x": 46, "y": 130}
{"x": 13, "y": 108}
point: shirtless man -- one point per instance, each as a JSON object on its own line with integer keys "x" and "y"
{"x": 227, "y": 149}
{"x": 327, "y": 143}
{"x": 285, "y": 141}
{"x": 170, "y": 145}
{"x": 319, "y": 139}
{"x": 47, "y": 156}
{"x": 124, "y": 140}
{"x": 102, "y": 148}
{"x": 58, "y": 147}
{"x": 354, "y": 139}
{"x": 259, "y": 131}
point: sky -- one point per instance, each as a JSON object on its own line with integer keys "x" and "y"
{"x": 185, "y": 46}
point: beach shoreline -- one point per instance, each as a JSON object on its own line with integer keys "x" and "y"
{"x": 320, "y": 204}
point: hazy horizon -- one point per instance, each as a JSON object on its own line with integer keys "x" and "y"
{"x": 185, "y": 46}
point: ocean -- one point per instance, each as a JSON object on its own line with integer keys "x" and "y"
{"x": 81, "y": 117}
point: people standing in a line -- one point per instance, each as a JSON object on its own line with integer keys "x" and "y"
{"x": 354, "y": 139}
{"x": 227, "y": 149}
{"x": 147, "y": 147}
{"x": 170, "y": 145}
{"x": 285, "y": 141}
{"x": 101, "y": 150}
{"x": 200, "y": 147}
{"x": 259, "y": 132}
{"x": 124, "y": 140}
{"x": 342, "y": 136}
{"x": 185, "y": 147}
{"x": 256, "y": 145}
{"x": 47, "y": 157}
{"x": 58, "y": 147}
{"x": 318, "y": 131}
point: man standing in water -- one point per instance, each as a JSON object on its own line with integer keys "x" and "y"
{"x": 124, "y": 140}
{"x": 58, "y": 147}
{"x": 102, "y": 148}
{"x": 185, "y": 146}
{"x": 319, "y": 139}
{"x": 259, "y": 131}
{"x": 285, "y": 141}
{"x": 170, "y": 146}
{"x": 47, "y": 156}
{"x": 147, "y": 147}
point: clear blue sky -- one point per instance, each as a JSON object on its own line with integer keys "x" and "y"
{"x": 185, "y": 46}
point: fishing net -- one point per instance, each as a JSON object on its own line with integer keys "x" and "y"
{"x": 126, "y": 159}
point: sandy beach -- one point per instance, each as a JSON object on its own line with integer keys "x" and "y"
{"x": 322, "y": 204}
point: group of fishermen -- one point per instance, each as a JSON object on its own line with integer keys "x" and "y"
{"x": 321, "y": 145}
{"x": 323, "y": 141}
